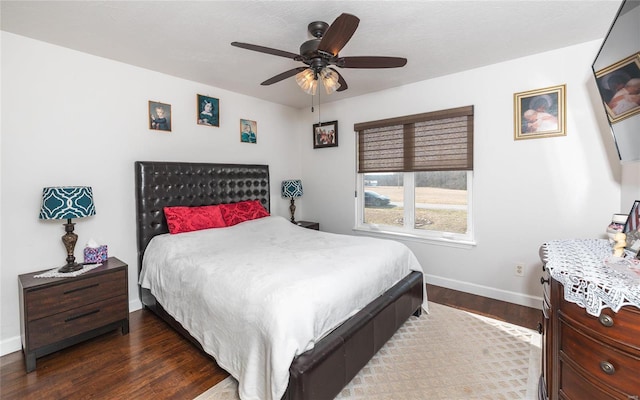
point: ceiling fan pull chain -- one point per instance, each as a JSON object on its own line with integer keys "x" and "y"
{"x": 319, "y": 108}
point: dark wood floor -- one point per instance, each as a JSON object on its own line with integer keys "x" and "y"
{"x": 153, "y": 361}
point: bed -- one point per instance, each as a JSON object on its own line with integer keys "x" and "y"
{"x": 339, "y": 353}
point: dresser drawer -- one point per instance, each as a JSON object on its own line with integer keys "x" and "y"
{"x": 622, "y": 327}
{"x": 574, "y": 387}
{"x": 78, "y": 320}
{"x": 62, "y": 297}
{"x": 594, "y": 356}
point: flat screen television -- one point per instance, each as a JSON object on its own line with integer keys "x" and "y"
{"x": 617, "y": 72}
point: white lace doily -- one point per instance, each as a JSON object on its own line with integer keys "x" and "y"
{"x": 55, "y": 274}
{"x": 591, "y": 276}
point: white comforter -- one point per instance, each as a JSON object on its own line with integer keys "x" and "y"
{"x": 259, "y": 293}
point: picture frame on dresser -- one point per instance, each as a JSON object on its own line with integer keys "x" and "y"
{"x": 632, "y": 229}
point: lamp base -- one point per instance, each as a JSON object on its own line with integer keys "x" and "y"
{"x": 70, "y": 268}
{"x": 69, "y": 239}
{"x": 292, "y": 209}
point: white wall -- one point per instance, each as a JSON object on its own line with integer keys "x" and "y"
{"x": 69, "y": 118}
{"x": 525, "y": 192}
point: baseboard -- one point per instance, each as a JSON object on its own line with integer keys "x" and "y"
{"x": 135, "y": 305}
{"x": 10, "y": 345}
{"x": 486, "y": 291}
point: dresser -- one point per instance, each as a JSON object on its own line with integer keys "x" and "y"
{"x": 58, "y": 312}
{"x": 591, "y": 324}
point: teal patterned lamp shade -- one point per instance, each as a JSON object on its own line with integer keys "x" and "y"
{"x": 66, "y": 202}
{"x": 292, "y": 188}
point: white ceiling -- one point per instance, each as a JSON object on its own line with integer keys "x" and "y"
{"x": 191, "y": 39}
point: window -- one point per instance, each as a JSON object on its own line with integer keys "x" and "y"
{"x": 415, "y": 175}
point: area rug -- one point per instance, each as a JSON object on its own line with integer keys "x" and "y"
{"x": 448, "y": 354}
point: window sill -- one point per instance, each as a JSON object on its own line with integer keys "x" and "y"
{"x": 439, "y": 241}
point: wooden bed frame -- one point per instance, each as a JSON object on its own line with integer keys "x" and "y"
{"x": 320, "y": 373}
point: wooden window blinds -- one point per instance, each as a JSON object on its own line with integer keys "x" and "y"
{"x": 434, "y": 141}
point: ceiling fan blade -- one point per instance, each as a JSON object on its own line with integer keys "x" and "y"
{"x": 282, "y": 76}
{"x": 267, "y": 50}
{"x": 341, "y": 81}
{"x": 338, "y": 34}
{"x": 371, "y": 62}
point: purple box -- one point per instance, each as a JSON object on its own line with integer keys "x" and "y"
{"x": 95, "y": 255}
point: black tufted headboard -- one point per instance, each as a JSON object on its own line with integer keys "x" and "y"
{"x": 160, "y": 184}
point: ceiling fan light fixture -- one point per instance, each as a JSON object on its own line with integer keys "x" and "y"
{"x": 329, "y": 80}
{"x": 307, "y": 82}
{"x": 320, "y": 53}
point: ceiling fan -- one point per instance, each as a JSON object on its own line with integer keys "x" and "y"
{"x": 321, "y": 53}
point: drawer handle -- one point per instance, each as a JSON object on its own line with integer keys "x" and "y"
{"x": 543, "y": 281}
{"x": 81, "y": 288}
{"x": 82, "y": 315}
{"x": 540, "y": 328}
{"x": 607, "y": 367}
{"x": 544, "y": 267}
{"x": 606, "y": 320}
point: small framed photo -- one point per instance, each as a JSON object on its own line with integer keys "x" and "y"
{"x": 619, "y": 86}
{"x": 208, "y": 111}
{"x": 540, "y": 113}
{"x": 159, "y": 116}
{"x": 325, "y": 134}
{"x": 632, "y": 229}
{"x": 248, "y": 131}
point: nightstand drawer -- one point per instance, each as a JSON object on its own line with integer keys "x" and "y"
{"x": 309, "y": 225}
{"x": 78, "y": 320}
{"x": 59, "y": 298}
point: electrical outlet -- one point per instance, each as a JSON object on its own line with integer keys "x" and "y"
{"x": 519, "y": 270}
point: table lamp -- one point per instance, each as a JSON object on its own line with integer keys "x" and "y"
{"x": 65, "y": 203}
{"x": 292, "y": 188}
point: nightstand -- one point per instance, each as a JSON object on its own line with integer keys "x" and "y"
{"x": 309, "y": 225}
{"x": 59, "y": 312}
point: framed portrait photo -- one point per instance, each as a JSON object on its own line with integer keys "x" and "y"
{"x": 325, "y": 134}
{"x": 208, "y": 111}
{"x": 619, "y": 86}
{"x": 159, "y": 116}
{"x": 540, "y": 113}
{"x": 248, "y": 131}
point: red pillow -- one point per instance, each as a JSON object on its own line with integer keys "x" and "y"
{"x": 187, "y": 219}
{"x": 235, "y": 213}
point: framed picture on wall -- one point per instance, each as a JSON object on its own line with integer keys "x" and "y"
{"x": 248, "y": 131}
{"x": 159, "y": 116}
{"x": 208, "y": 111}
{"x": 325, "y": 134}
{"x": 619, "y": 86}
{"x": 540, "y": 113}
